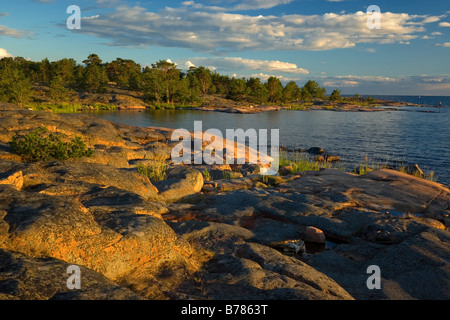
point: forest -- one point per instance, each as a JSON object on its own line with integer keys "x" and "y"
{"x": 161, "y": 83}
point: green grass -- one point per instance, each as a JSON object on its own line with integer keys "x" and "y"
{"x": 206, "y": 175}
{"x": 299, "y": 162}
{"x": 155, "y": 171}
{"x": 301, "y": 106}
{"x": 171, "y": 106}
{"x": 70, "y": 107}
{"x": 367, "y": 166}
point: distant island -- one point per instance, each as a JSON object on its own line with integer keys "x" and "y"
{"x": 64, "y": 86}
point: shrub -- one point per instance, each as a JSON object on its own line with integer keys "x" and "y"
{"x": 39, "y": 145}
{"x": 206, "y": 175}
{"x": 155, "y": 171}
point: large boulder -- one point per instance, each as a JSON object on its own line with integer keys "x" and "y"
{"x": 113, "y": 243}
{"x": 181, "y": 182}
{"x": 25, "y": 278}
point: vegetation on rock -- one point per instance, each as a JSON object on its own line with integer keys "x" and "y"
{"x": 40, "y": 145}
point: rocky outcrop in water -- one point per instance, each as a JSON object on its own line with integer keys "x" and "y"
{"x": 188, "y": 237}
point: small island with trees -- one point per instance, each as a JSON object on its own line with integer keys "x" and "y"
{"x": 66, "y": 86}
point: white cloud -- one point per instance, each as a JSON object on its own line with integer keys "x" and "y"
{"x": 6, "y": 31}
{"x": 4, "y": 53}
{"x": 222, "y": 32}
{"x": 235, "y": 63}
{"x": 341, "y": 83}
{"x": 259, "y": 4}
{"x": 265, "y": 77}
{"x": 444, "y": 24}
{"x": 446, "y": 44}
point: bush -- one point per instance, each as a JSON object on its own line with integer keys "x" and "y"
{"x": 155, "y": 171}
{"x": 39, "y": 145}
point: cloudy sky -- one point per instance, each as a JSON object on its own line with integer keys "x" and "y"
{"x": 325, "y": 40}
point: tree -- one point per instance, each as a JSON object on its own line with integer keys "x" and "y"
{"x": 93, "y": 59}
{"x": 238, "y": 89}
{"x": 274, "y": 89}
{"x": 65, "y": 70}
{"x": 221, "y": 83}
{"x": 335, "y": 95}
{"x": 124, "y": 72}
{"x": 46, "y": 71}
{"x": 203, "y": 76}
{"x": 94, "y": 77}
{"x": 291, "y": 92}
{"x": 58, "y": 91}
{"x": 169, "y": 75}
{"x": 152, "y": 85}
{"x": 314, "y": 89}
{"x": 258, "y": 92}
{"x": 15, "y": 87}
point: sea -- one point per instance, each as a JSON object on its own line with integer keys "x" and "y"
{"x": 395, "y": 136}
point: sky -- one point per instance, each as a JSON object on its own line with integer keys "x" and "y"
{"x": 335, "y": 42}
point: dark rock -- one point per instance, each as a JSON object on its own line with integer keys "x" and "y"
{"x": 327, "y": 158}
{"x": 315, "y": 150}
{"x": 250, "y": 169}
{"x": 314, "y": 235}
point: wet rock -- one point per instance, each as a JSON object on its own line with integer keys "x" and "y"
{"x": 314, "y": 235}
{"x": 327, "y": 158}
{"x": 315, "y": 150}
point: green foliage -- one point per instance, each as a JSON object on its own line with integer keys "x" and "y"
{"x": 206, "y": 175}
{"x": 15, "y": 87}
{"x": 299, "y": 162}
{"x": 162, "y": 82}
{"x": 238, "y": 89}
{"x": 258, "y": 92}
{"x": 291, "y": 92}
{"x": 274, "y": 89}
{"x": 313, "y": 89}
{"x": 155, "y": 171}
{"x": 63, "y": 107}
{"x": 40, "y": 145}
{"x": 335, "y": 95}
{"x": 58, "y": 91}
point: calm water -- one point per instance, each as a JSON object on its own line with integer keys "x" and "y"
{"x": 413, "y": 135}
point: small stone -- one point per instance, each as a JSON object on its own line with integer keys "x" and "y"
{"x": 314, "y": 235}
{"x": 285, "y": 170}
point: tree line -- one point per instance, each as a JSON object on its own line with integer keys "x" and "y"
{"x": 162, "y": 82}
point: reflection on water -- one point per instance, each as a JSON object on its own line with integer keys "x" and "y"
{"x": 411, "y": 135}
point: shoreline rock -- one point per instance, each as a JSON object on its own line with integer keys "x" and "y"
{"x": 190, "y": 239}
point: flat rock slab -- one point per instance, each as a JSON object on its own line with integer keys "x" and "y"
{"x": 25, "y": 278}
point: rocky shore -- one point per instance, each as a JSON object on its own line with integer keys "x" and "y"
{"x": 236, "y": 236}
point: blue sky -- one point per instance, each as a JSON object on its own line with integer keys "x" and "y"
{"x": 327, "y": 41}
